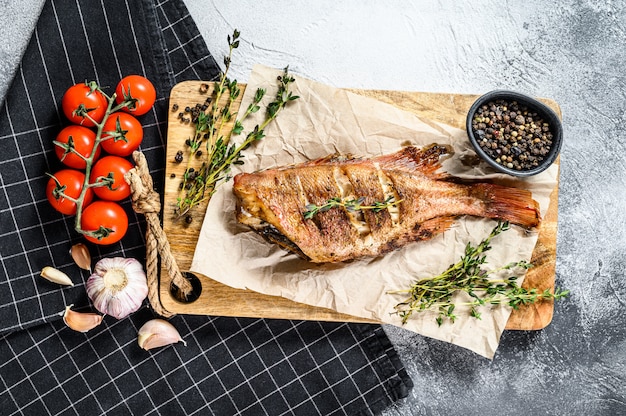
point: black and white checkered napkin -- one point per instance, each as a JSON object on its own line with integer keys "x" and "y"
{"x": 229, "y": 365}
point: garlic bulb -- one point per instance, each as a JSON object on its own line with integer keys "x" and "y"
{"x": 81, "y": 321}
{"x": 117, "y": 286}
{"x": 157, "y": 333}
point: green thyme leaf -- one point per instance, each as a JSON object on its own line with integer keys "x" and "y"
{"x": 467, "y": 276}
{"x": 212, "y": 131}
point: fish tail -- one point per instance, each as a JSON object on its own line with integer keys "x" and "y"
{"x": 510, "y": 204}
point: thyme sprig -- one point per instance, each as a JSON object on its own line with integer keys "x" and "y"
{"x": 352, "y": 205}
{"x": 469, "y": 276}
{"x": 215, "y": 128}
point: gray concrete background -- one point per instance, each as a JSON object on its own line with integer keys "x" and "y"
{"x": 571, "y": 51}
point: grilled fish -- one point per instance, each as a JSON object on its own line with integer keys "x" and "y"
{"x": 407, "y": 199}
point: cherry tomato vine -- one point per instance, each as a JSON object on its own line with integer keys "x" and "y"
{"x": 99, "y": 123}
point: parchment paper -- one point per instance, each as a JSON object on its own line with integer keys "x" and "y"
{"x": 326, "y": 120}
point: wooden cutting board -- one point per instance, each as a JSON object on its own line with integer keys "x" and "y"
{"x": 220, "y": 300}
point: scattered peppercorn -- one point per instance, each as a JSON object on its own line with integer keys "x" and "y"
{"x": 174, "y": 107}
{"x": 204, "y": 87}
{"x": 512, "y": 134}
{"x": 179, "y": 156}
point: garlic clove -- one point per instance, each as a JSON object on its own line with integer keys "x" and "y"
{"x": 56, "y": 276}
{"x": 81, "y": 256}
{"x": 157, "y": 333}
{"x": 81, "y": 321}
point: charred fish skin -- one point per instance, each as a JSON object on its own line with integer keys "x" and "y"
{"x": 273, "y": 201}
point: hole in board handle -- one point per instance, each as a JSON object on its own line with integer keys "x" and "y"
{"x": 195, "y": 292}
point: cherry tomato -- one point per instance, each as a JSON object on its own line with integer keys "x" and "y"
{"x": 117, "y": 167}
{"x": 125, "y": 133}
{"x": 70, "y": 183}
{"x": 138, "y": 89}
{"x": 107, "y": 217}
{"x": 81, "y": 139}
{"x": 82, "y": 97}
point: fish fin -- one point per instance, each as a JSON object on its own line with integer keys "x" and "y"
{"x": 271, "y": 234}
{"x": 511, "y": 204}
{"x": 336, "y": 158}
{"x": 426, "y": 160}
{"x": 430, "y": 228}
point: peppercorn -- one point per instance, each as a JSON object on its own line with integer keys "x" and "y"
{"x": 179, "y": 156}
{"x": 513, "y": 135}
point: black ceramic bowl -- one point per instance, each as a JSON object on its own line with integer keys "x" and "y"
{"x": 524, "y": 153}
